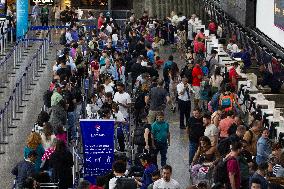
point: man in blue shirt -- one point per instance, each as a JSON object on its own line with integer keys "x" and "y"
{"x": 150, "y": 54}
{"x": 160, "y": 134}
{"x": 74, "y": 34}
{"x": 260, "y": 175}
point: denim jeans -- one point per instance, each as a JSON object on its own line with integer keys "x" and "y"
{"x": 162, "y": 148}
{"x": 192, "y": 150}
{"x": 71, "y": 124}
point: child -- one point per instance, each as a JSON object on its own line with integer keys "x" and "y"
{"x": 204, "y": 94}
{"x": 205, "y": 69}
{"x": 159, "y": 62}
{"x": 161, "y": 135}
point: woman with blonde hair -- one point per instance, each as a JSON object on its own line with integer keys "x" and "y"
{"x": 34, "y": 142}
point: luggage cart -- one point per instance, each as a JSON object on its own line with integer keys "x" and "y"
{"x": 49, "y": 185}
{"x": 202, "y": 173}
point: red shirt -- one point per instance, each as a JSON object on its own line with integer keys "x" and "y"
{"x": 159, "y": 62}
{"x": 100, "y": 22}
{"x": 233, "y": 74}
{"x": 234, "y": 167}
{"x": 200, "y": 35}
{"x": 212, "y": 27}
{"x": 199, "y": 47}
{"x": 196, "y": 71}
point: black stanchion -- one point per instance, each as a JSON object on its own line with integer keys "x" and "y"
{"x": 15, "y": 103}
{"x": 10, "y": 111}
{"x": 27, "y": 83}
{"x": 2, "y": 76}
{"x": 7, "y": 121}
{"x": 3, "y": 137}
{"x": 15, "y": 58}
{"x": 23, "y": 89}
{"x": 19, "y": 96}
{"x": 41, "y": 57}
{"x": 33, "y": 74}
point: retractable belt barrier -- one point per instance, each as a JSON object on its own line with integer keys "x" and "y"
{"x": 57, "y": 27}
{"x": 23, "y": 86}
{"x": 5, "y": 38}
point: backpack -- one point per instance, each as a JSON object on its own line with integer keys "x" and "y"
{"x": 224, "y": 146}
{"x": 47, "y": 98}
{"x": 221, "y": 173}
{"x": 138, "y": 138}
{"x": 214, "y": 103}
{"x": 62, "y": 39}
{"x": 125, "y": 183}
{"x": 140, "y": 102}
{"x": 226, "y": 101}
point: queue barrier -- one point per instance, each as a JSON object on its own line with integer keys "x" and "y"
{"x": 6, "y": 38}
{"x": 9, "y": 114}
{"x": 56, "y": 27}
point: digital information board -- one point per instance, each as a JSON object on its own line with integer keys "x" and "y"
{"x": 279, "y": 13}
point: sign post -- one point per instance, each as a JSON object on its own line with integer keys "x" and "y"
{"x": 98, "y": 146}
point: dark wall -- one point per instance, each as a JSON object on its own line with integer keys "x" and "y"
{"x": 122, "y": 4}
{"x": 244, "y": 11}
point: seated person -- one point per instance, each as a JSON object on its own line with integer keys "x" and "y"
{"x": 274, "y": 160}
{"x": 269, "y": 79}
{"x": 280, "y": 171}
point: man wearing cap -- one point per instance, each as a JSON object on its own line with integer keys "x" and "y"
{"x": 24, "y": 169}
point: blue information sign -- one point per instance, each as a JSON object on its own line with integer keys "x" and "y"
{"x": 22, "y": 17}
{"x": 98, "y": 146}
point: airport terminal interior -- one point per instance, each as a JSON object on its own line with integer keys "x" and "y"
{"x": 142, "y": 94}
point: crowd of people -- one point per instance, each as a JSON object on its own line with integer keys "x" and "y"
{"x": 124, "y": 76}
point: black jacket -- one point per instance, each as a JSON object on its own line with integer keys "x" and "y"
{"x": 62, "y": 163}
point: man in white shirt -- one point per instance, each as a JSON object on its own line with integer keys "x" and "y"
{"x": 183, "y": 90}
{"x": 166, "y": 182}
{"x": 119, "y": 168}
{"x": 68, "y": 36}
{"x": 123, "y": 99}
{"x": 211, "y": 131}
{"x": 232, "y": 47}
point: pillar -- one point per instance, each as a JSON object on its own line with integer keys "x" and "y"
{"x": 184, "y": 10}
{"x": 167, "y": 5}
{"x": 180, "y": 6}
{"x": 163, "y": 9}
{"x": 153, "y": 6}
{"x": 175, "y": 5}
{"x": 171, "y": 7}
{"x": 188, "y": 4}
{"x": 109, "y": 5}
{"x": 148, "y": 7}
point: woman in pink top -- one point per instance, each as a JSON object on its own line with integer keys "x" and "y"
{"x": 225, "y": 124}
{"x": 61, "y": 134}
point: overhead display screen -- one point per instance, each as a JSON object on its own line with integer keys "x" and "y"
{"x": 279, "y": 13}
